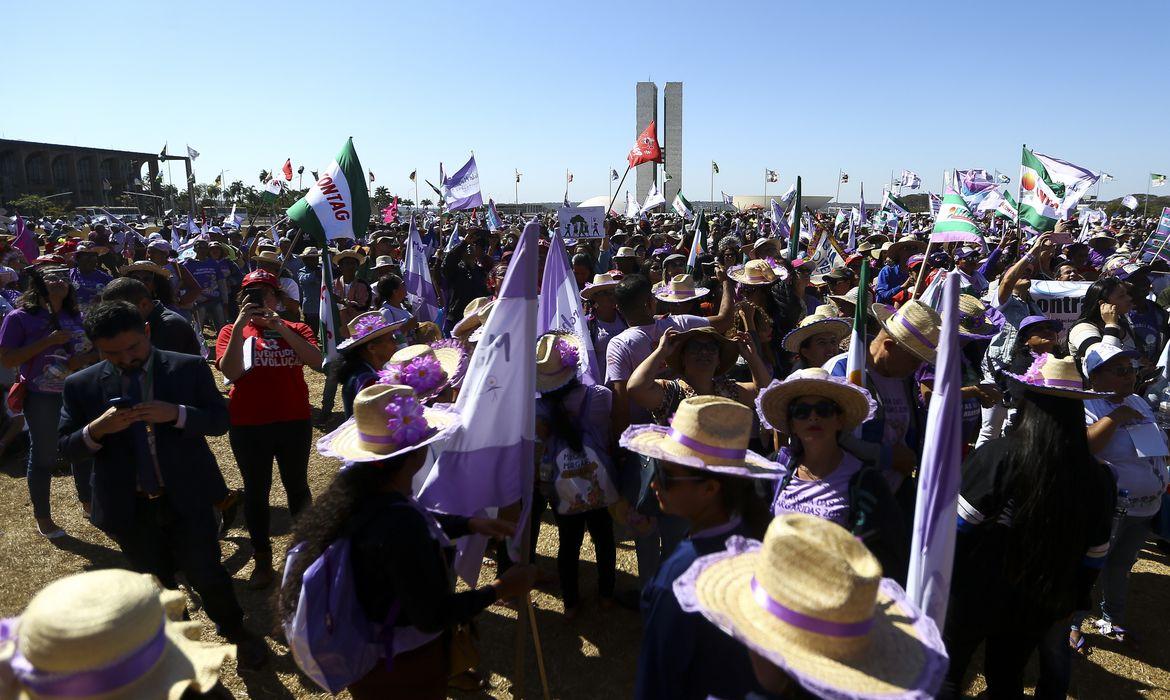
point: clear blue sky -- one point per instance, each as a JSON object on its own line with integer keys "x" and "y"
{"x": 801, "y": 87}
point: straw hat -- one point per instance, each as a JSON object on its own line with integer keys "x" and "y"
{"x": 600, "y": 283}
{"x": 1055, "y": 377}
{"x": 679, "y": 289}
{"x": 144, "y": 266}
{"x": 728, "y": 353}
{"x": 474, "y": 315}
{"x": 366, "y": 327}
{"x": 908, "y": 243}
{"x": 560, "y": 356}
{"x": 857, "y": 406}
{"x": 811, "y": 600}
{"x": 311, "y": 252}
{"x": 847, "y": 302}
{"x": 976, "y": 321}
{"x": 424, "y": 369}
{"x": 112, "y": 629}
{"x": 388, "y": 420}
{"x": 348, "y": 255}
{"x": 706, "y": 432}
{"x": 753, "y": 272}
{"x": 624, "y": 252}
{"x": 914, "y": 325}
{"x": 268, "y": 256}
{"x": 823, "y": 320}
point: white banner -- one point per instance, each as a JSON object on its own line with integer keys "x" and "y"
{"x": 1061, "y": 301}
{"x": 581, "y": 222}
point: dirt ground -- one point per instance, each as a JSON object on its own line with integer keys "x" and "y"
{"x": 594, "y": 656}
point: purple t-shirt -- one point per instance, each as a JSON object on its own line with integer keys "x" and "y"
{"x": 207, "y": 273}
{"x": 46, "y": 371}
{"x": 88, "y": 284}
{"x": 605, "y": 332}
{"x": 629, "y": 348}
{"x": 826, "y": 498}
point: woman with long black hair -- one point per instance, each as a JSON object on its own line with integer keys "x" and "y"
{"x": 44, "y": 338}
{"x": 1035, "y": 510}
{"x": 371, "y": 343}
{"x": 1104, "y": 318}
{"x": 401, "y": 554}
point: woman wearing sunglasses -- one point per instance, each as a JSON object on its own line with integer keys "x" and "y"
{"x": 705, "y": 474}
{"x": 814, "y": 409}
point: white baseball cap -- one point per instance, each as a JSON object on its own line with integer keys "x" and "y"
{"x": 1100, "y": 353}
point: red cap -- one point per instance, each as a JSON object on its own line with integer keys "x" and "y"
{"x": 261, "y": 277}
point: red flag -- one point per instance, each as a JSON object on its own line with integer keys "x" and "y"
{"x": 646, "y": 148}
{"x": 287, "y": 170}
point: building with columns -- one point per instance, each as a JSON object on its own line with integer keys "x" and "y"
{"x": 95, "y": 176}
{"x": 670, "y": 126}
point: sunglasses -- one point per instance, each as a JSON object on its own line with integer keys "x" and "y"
{"x": 665, "y": 480}
{"x": 1122, "y": 371}
{"x": 823, "y": 409}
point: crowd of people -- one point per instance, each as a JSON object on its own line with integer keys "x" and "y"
{"x": 769, "y": 498}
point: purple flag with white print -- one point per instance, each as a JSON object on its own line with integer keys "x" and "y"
{"x": 462, "y": 188}
{"x": 489, "y": 463}
{"x": 932, "y": 549}
{"x": 560, "y": 304}
{"x": 416, "y": 275}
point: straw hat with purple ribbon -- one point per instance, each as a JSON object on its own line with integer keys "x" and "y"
{"x": 112, "y": 634}
{"x": 811, "y": 600}
{"x": 914, "y": 325}
{"x": 857, "y": 406}
{"x": 679, "y": 289}
{"x": 976, "y": 320}
{"x": 823, "y": 320}
{"x": 753, "y": 273}
{"x": 474, "y": 314}
{"x": 1054, "y": 376}
{"x": 144, "y": 266}
{"x": 424, "y": 369}
{"x": 388, "y": 420}
{"x": 600, "y": 283}
{"x": 560, "y": 356}
{"x": 710, "y": 433}
{"x": 367, "y": 327}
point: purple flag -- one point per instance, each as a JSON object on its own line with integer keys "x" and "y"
{"x": 932, "y": 550}
{"x": 862, "y": 206}
{"x": 24, "y": 241}
{"x": 462, "y": 188}
{"x": 417, "y": 278}
{"x": 489, "y": 463}
{"x": 560, "y": 304}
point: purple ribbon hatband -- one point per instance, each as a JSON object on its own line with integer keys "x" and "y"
{"x": 378, "y": 439}
{"x": 805, "y": 622}
{"x": 97, "y": 681}
{"x": 916, "y": 333}
{"x": 710, "y": 450}
{"x": 1063, "y": 383}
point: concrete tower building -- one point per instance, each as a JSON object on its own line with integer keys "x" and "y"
{"x": 646, "y": 111}
{"x": 672, "y": 141}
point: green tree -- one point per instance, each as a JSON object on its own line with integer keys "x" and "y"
{"x": 381, "y": 199}
{"x": 34, "y": 206}
{"x": 406, "y": 202}
{"x": 426, "y": 202}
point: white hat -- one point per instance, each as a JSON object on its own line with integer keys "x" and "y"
{"x": 1100, "y": 353}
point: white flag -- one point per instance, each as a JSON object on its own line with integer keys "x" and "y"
{"x": 631, "y": 205}
{"x": 653, "y": 199}
{"x": 1130, "y": 202}
{"x": 192, "y": 153}
{"x": 1076, "y": 180}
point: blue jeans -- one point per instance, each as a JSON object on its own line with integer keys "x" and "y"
{"x": 1128, "y": 537}
{"x": 210, "y": 310}
{"x": 42, "y": 411}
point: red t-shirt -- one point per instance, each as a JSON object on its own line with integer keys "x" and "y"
{"x": 274, "y": 389}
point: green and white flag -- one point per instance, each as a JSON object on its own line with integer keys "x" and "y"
{"x": 272, "y": 190}
{"x": 1157, "y": 180}
{"x": 892, "y": 203}
{"x": 330, "y": 318}
{"x": 682, "y": 206}
{"x": 338, "y": 203}
{"x": 1039, "y": 195}
{"x": 954, "y": 222}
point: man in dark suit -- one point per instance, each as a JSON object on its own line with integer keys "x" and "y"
{"x": 142, "y": 415}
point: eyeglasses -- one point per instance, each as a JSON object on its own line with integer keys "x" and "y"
{"x": 665, "y": 480}
{"x": 701, "y": 348}
{"x": 823, "y": 409}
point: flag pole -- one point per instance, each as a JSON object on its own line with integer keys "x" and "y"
{"x": 766, "y": 188}
{"x": 836, "y": 197}
{"x": 1146, "y": 203}
{"x": 712, "y": 197}
{"x": 619, "y": 189}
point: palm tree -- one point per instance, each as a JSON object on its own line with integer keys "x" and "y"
{"x": 426, "y": 202}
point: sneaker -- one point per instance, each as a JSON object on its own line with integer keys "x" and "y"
{"x": 49, "y": 529}
{"x": 1109, "y": 630}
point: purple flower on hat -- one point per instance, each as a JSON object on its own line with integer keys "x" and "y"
{"x": 368, "y": 325}
{"x": 405, "y": 420}
{"x": 424, "y": 374}
{"x": 391, "y": 375}
{"x": 1034, "y": 375}
{"x": 568, "y": 352}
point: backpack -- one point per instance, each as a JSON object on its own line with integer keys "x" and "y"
{"x": 580, "y": 479}
{"x": 330, "y": 638}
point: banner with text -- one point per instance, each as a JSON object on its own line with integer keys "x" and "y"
{"x": 1156, "y": 245}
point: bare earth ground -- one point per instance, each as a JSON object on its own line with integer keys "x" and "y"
{"x": 593, "y": 657}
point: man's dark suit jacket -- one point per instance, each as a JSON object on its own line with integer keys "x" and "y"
{"x": 189, "y": 470}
